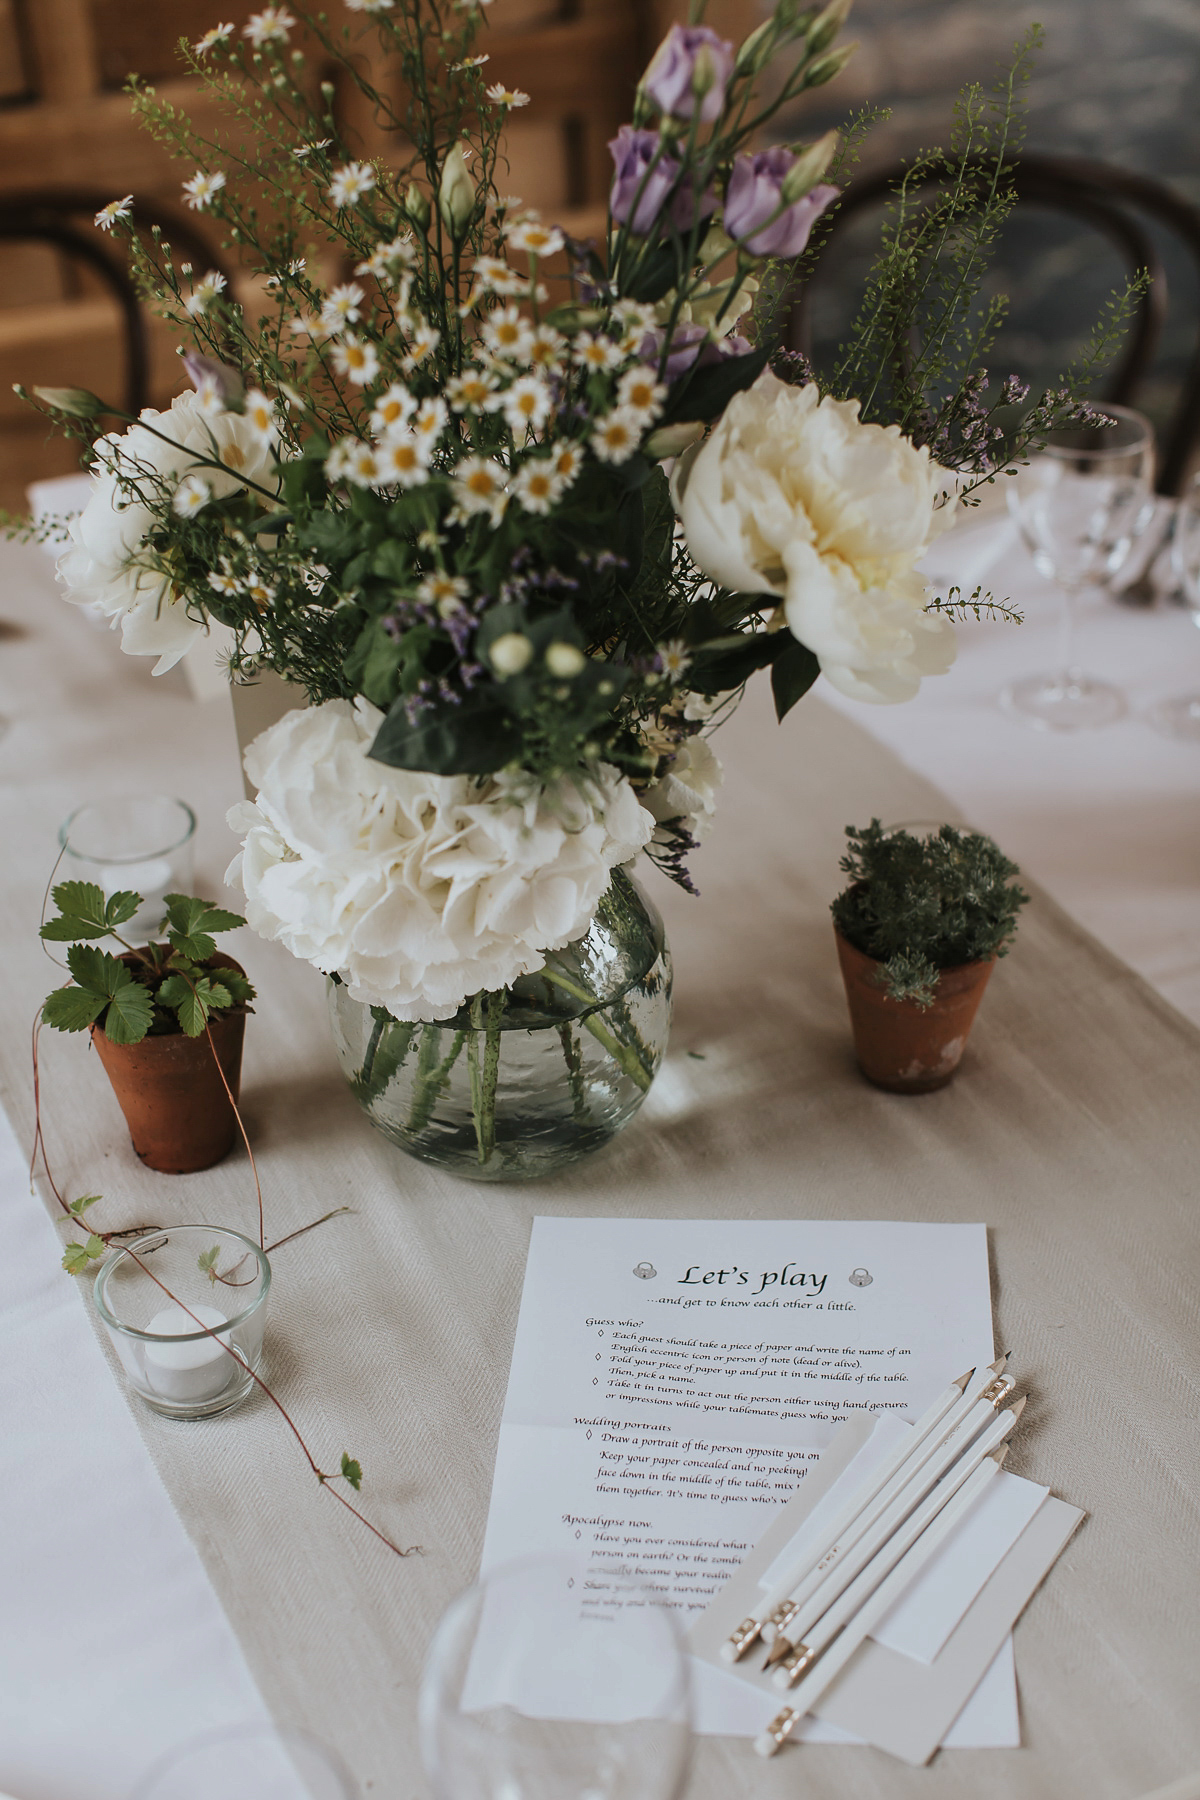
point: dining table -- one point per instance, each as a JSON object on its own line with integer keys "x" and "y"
{"x": 162, "y": 1578}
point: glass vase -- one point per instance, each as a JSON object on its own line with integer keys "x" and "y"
{"x": 526, "y": 1080}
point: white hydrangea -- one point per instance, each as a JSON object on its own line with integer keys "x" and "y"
{"x": 107, "y": 566}
{"x": 688, "y": 791}
{"x": 793, "y": 495}
{"x": 418, "y": 889}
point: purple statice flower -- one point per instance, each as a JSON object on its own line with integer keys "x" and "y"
{"x": 754, "y": 197}
{"x": 690, "y": 56}
{"x": 638, "y": 158}
{"x": 1014, "y": 392}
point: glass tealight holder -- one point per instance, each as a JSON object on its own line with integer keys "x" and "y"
{"x": 141, "y": 841}
{"x": 249, "y": 1762}
{"x": 162, "y": 1298}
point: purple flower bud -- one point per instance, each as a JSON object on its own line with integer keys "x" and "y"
{"x": 634, "y": 155}
{"x": 201, "y": 368}
{"x": 690, "y": 68}
{"x": 755, "y": 195}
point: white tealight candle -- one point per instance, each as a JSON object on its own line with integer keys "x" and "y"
{"x": 183, "y": 1371}
{"x": 150, "y": 878}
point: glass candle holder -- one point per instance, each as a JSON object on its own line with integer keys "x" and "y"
{"x": 162, "y": 1298}
{"x": 249, "y": 1762}
{"x": 139, "y": 841}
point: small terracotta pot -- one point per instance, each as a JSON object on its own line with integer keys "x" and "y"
{"x": 175, "y": 1104}
{"x": 901, "y": 1046}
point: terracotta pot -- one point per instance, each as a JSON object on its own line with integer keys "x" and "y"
{"x": 901, "y": 1046}
{"x": 175, "y": 1104}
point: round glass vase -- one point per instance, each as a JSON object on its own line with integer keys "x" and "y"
{"x": 524, "y": 1081}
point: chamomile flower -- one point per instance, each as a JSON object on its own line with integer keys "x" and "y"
{"x": 261, "y": 418}
{"x": 204, "y": 293}
{"x": 538, "y": 485}
{"x": 337, "y": 463}
{"x": 357, "y": 359}
{"x": 220, "y": 34}
{"x": 191, "y": 496}
{"x": 469, "y": 391}
{"x": 479, "y": 488}
{"x": 547, "y": 350}
{"x": 597, "y": 353}
{"x": 469, "y": 62}
{"x": 382, "y": 259}
{"x": 343, "y": 307}
{"x": 674, "y": 659}
{"x": 616, "y": 437}
{"x": 393, "y": 410}
{"x": 534, "y": 238}
{"x": 295, "y": 267}
{"x": 200, "y": 192}
{"x": 638, "y": 391}
{"x": 210, "y": 396}
{"x": 308, "y": 325}
{"x": 108, "y": 215}
{"x": 566, "y": 463}
{"x": 507, "y": 334}
{"x": 494, "y": 274}
{"x": 369, "y": 6}
{"x": 304, "y": 150}
{"x": 256, "y": 590}
{"x": 270, "y": 26}
{"x": 499, "y": 95}
{"x": 430, "y": 422}
{"x": 444, "y": 592}
{"x": 422, "y": 342}
{"x": 358, "y": 462}
{"x": 222, "y": 582}
{"x": 403, "y": 461}
{"x": 526, "y": 405}
{"x": 351, "y": 183}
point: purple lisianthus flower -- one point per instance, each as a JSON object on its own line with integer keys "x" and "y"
{"x": 633, "y": 153}
{"x": 671, "y": 79}
{"x": 755, "y": 194}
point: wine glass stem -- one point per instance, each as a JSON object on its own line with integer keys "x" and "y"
{"x": 1066, "y": 636}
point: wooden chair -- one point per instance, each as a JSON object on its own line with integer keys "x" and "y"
{"x": 1115, "y": 202}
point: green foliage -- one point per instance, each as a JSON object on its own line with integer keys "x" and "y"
{"x": 919, "y": 905}
{"x": 352, "y": 1471}
{"x": 206, "y": 1262}
{"x": 159, "y": 988}
{"x": 78, "y": 1257}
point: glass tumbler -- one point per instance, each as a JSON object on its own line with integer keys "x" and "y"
{"x": 248, "y": 1762}
{"x": 162, "y": 1298}
{"x": 139, "y": 841}
{"x": 550, "y": 1681}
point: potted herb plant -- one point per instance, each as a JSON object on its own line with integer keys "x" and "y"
{"x": 167, "y": 1019}
{"x": 919, "y": 928}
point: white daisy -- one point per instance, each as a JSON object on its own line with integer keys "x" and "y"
{"x": 210, "y": 396}
{"x": 222, "y": 582}
{"x": 526, "y": 405}
{"x": 343, "y": 307}
{"x": 567, "y": 462}
{"x": 350, "y": 183}
{"x": 356, "y": 359}
{"x": 538, "y": 485}
{"x": 369, "y": 6}
{"x": 494, "y": 274}
{"x": 261, "y": 417}
{"x": 469, "y": 391}
{"x": 431, "y": 420}
{"x": 270, "y": 26}
{"x": 359, "y": 463}
{"x": 422, "y": 342}
{"x": 108, "y": 215}
{"x": 257, "y": 590}
{"x": 403, "y": 461}
{"x": 401, "y": 250}
{"x": 534, "y": 238}
{"x": 598, "y": 353}
{"x": 507, "y": 334}
{"x": 547, "y": 349}
{"x": 469, "y": 62}
{"x": 202, "y": 190}
{"x": 674, "y": 659}
{"x": 191, "y": 496}
{"x": 638, "y": 391}
{"x": 445, "y": 592}
{"x": 219, "y": 34}
{"x": 308, "y": 325}
{"x": 617, "y": 436}
{"x": 337, "y": 463}
{"x": 499, "y": 95}
{"x": 393, "y": 410}
{"x": 204, "y": 293}
{"x": 479, "y": 488}
{"x": 303, "y": 150}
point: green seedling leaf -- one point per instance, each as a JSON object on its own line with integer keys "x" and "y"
{"x": 193, "y": 1000}
{"x": 83, "y": 913}
{"x": 352, "y": 1471}
{"x": 207, "y": 1262}
{"x": 191, "y": 922}
{"x": 76, "y": 1257}
{"x": 72, "y": 1009}
{"x": 121, "y": 907}
{"x": 81, "y": 1205}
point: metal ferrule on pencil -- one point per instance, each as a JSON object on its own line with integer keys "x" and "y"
{"x": 739, "y": 1641}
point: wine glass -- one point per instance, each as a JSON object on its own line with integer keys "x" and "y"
{"x": 1080, "y": 503}
{"x": 1179, "y": 716}
{"x": 249, "y": 1762}
{"x": 552, "y": 1680}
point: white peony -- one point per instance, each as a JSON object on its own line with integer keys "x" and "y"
{"x": 688, "y": 791}
{"x": 792, "y": 495}
{"x": 419, "y": 890}
{"x": 107, "y": 566}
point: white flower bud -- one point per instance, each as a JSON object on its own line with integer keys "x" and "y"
{"x": 818, "y": 73}
{"x": 826, "y": 26}
{"x": 752, "y": 57}
{"x": 510, "y": 653}
{"x": 564, "y": 660}
{"x": 808, "y": 168}
{"x": 672, "y": 440}
{"x": 456, "y": 194}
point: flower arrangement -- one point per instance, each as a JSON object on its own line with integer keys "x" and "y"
{"x": 522, "y": 515}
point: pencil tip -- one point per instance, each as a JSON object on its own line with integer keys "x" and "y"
{"x": 999, "y": 1455}
{"x": 961, "y": 1383}
{"x": 1017, "y": 1408}
{"x": 1000, "y": 1364}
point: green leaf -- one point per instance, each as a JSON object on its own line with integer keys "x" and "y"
{"x": 192, "y": 1000}
{"x": 121, "y": 906}
{"x": 705, "y": 393}
{"x": 241, "y": 991}
{"x": 474, "y": 738}
{"x": 207, "y": 1262}
{"x": 130, "y": 1013}
{"x": 732, "y": 659}
{"x": 76, "y": 1257}
{"x": 191, "y": 922}
{"x": 81, "y": 1205}
{"x": 352, "y": 1470}
{"x": 792, "y": 674}
{"x": 73, "y": 1009}
{"x": 83, "y": 899}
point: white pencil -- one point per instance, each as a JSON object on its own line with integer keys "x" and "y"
{"x": 969, "y": 1446}
{"x": 929, "y": 1460}
{"x": 876, "y": 1607}
{"x": 761, "y": 1622}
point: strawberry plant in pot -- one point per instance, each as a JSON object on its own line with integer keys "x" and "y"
{"x": 167, "y": 1019}
{"x": 919, "y": 929}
